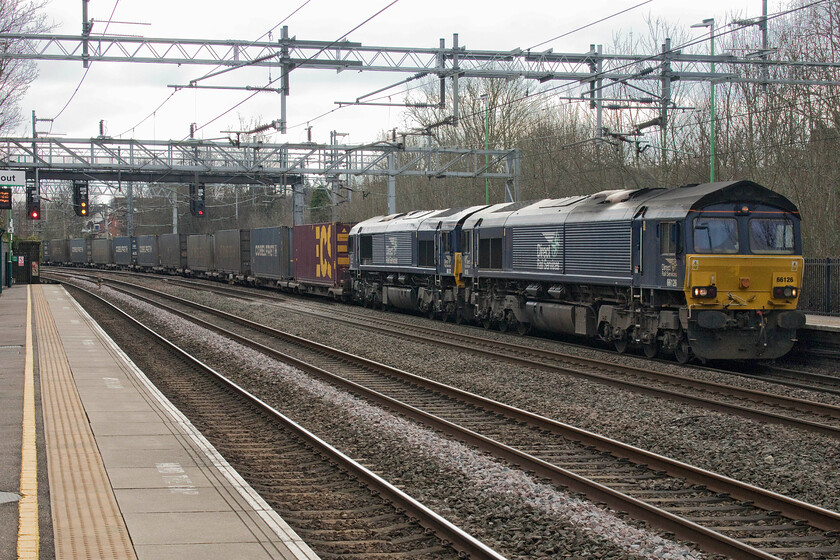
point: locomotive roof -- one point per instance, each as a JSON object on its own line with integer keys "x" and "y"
{"x": 677, "y": 203}
{"x": 602, "y": 206}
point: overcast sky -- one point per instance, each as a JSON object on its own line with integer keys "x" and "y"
{"x": 125, "y": 94}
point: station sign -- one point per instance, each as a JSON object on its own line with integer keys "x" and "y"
{"x": 9, "y": 178}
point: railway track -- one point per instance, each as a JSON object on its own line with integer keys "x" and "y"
{"x": 748, "y": 403}
{"x": 341, "y": 508}
{"x": 720, "y": 514}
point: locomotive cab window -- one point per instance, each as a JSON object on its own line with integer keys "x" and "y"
{"x": 771, "y": 236}
{"x": 668, "y": 237}
{"x": 716, "y": 235}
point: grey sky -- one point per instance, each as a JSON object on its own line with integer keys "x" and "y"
{"x": 125, "y": 94}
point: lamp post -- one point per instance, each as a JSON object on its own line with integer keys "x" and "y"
{"x": 486, "y": 100}
{"x": 710, "y": 23}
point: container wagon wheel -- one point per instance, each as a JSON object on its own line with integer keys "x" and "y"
{"x": 487, "y": 323}
{"x": 459, "y": 316}
{"x": 651, "y": 349}
{"x": 621, "y": 345}
{"x": 523, "y": 328}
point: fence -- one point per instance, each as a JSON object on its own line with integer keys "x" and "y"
{"x": 821, "y": 287}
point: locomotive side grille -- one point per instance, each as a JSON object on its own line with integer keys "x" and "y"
{"x": 538, "y": 248}
{"x": 599, "y": 249}
{"x": 392, "y": 248}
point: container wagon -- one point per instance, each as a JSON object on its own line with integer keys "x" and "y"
{"x": 271, "y": 255}
{"x": 200, "y": 254}
{"x": 321, "y": 259}
{"x": 102, "y": 252}
{"x": 80, "y": 251}
{"x": 125, "y": 251}
{"x": 59, "y": 251}
{"x": 173, "y": 251}
{"x": 232, "y": 253}
{"x": 147, "y": 252}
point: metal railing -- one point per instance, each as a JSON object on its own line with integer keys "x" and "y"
{"x": 821, "y": 287}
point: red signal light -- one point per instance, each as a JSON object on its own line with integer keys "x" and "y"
{"x": 201, "y": 212}
{"x": 34, "y": 215}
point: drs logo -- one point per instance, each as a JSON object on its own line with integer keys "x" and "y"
{"x": 323, "y": 252}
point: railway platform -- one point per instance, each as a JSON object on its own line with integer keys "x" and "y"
{"x": 96, "y": 463}
{"x": 822, "y": 323}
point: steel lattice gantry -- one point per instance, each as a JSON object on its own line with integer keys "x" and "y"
{"x": 108, "y": 160}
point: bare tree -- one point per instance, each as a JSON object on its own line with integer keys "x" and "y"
{"x": 17, "y": 16}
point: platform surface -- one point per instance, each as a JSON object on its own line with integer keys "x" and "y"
{"x": 822, "y": 323}
{"x": 129, "y": 476}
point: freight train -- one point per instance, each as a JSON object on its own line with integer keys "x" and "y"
{"x": 711, "y": 271}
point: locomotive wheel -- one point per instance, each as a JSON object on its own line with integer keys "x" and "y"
{"x": 651, "y": 349}
{"x": 682, "y": 352}
{"x": 431, "y": 313}
{"x": 503, "y": 325}
{"x": 487, "y": 323}
{"x": 621, "y": 345}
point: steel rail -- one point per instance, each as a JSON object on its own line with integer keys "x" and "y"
{"x": 472, "y": 344}
{"x": 711, "y": 540}
{"x": 444, "y": 529}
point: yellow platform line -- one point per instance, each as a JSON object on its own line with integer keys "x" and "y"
{"x": 87, "y": 522}
{"x": 28, "y": 533}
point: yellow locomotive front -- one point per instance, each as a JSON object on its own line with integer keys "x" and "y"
{"x": 742, "y": 282}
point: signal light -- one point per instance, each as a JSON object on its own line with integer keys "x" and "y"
{"x": 197, "y": 204}
{"x": 80, "y": 198}
{"x": 33, "y": 203}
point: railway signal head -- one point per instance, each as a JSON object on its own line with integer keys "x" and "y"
{"x": 33, "y": 204}
{"x": 197, "y": 204}
{"x": 80, "y": 198}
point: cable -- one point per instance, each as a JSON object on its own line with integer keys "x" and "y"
{"x": 590, "y": 24}
{"x": 284, "y": 74}
{"x": 281, "y": 22}
{"x": 116, "y": 3}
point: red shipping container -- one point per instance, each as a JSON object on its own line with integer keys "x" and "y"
{"x": 321, "y": 257}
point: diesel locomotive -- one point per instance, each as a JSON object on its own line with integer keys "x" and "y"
{"x": 711, "y": 270}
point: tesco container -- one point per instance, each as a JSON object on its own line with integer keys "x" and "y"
{"x": 271, "y": 253}
{"x": 80, "y": 251}
{"x": 125, "y": 251}
{"x": 148, "y": 255}
{"x": 321, "y": 258}
{"x": 172, "y": 248}
{"x": 232, "y": 252}
{"x": 102, "y": 251}
{"x": 200, "y": 252}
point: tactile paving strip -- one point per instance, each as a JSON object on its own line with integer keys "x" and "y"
{"x": 86, "y": 519}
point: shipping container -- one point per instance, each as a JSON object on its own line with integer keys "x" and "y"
{"x": 59, "y": 251}
{"x": 80, "y": 251}
{"x": 45, "y": 253}
{"x": 232, "y": 252}
{"x": 200, "y": 252}
{"x": 125, "y": 251}
{"x": 321, "y": 258}
{"x": 172, "y": 249}
{"x": 147, "y": 251}
{"x": 271, "y": 253}
{"x": 102, "y": 251}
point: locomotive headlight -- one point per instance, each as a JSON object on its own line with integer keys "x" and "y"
{"x": 704, "y": 291}
{"x": 781, "y": 292}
